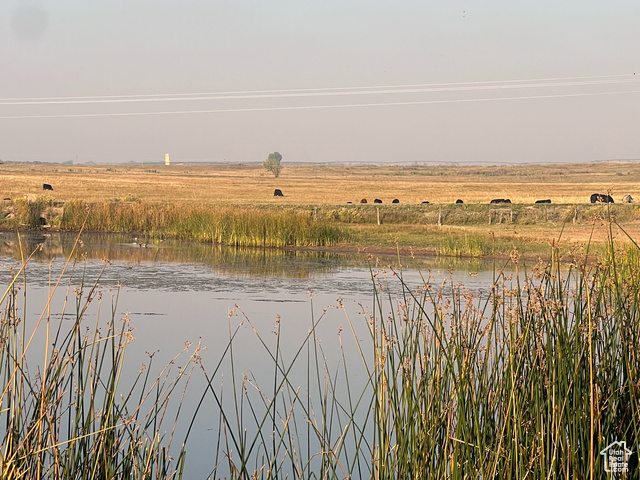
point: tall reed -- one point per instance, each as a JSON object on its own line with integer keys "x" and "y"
{"x": 65, "y": 411}
{"x": 238, "y": 226}
{"x": 529, "y": 379}
{"x": 464, "y": 246}
{"x": 29, "y": 212}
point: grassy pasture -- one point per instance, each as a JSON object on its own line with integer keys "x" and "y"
{"x": 322, "y": 191}
{"x": 323, "y": 184}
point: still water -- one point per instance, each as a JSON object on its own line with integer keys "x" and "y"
{"x": 175, "y": 293}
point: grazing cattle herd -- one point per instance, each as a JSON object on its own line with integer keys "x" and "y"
{"x": 595, "y": 198}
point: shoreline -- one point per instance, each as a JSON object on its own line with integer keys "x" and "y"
{"x": 356, "y": 248}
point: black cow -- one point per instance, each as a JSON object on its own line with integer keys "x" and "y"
{"x": 500, "y": 200}
{"x": 278, "y": 193}
{"x": 599, "y": 197}
{"x": 46, "y": 186}
{"x": 395, "y": 200}
{"x": 364, "y": 200}
{"x": 377, "y": 200}
{"x": 544, "y": 201}
{"x": 459, "y": 201}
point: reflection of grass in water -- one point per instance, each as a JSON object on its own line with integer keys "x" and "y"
{"x": 222, "y": 258}
{"x": 275, "y": 262}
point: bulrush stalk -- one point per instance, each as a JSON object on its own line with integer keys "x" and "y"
{"x": 530, "y": 378}
{"x": 70, "y": 416}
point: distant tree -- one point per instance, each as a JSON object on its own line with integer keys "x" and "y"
{"x": 272, "y": 163}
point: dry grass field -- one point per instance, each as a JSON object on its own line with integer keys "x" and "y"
{"x": 330, "y": 187}
{"x": 322, "y": 184}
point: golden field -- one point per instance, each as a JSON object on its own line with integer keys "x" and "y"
{"x": 326, "y": 189}
{"x": 322, "y": 184}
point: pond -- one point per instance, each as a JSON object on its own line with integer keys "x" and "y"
{"x": 176, "y": 293}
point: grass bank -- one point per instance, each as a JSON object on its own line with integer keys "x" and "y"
{"x": 477, "y": 230}
{"x": 228, "y": 225}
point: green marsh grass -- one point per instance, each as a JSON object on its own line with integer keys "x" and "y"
{"x": 441, "y": 229}
{"x": 238, "y": 226}
{"x": 30, "y": 211}
{"x": 465, "y": 246}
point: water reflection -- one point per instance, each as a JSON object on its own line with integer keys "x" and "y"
{"x": 236, "y": 261}
{"x": 177, "y": 292}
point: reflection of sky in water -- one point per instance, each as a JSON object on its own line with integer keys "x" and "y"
{"x": 190, "y": 294}
{"x": 184, "y": 266}
{"x": 180, "y": 277}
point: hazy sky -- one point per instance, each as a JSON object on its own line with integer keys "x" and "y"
{"x": 454, "y": 81}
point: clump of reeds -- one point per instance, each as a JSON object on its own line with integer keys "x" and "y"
{"x": 64, "y": 410}
{"x": 229, "y": 225}
{"x": 531, "y": 378}
{"x": 465, "y": 246}
{"x": 29, "y": 212}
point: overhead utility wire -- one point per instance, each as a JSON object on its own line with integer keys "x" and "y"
{"x": 318, "y": 107}
{"x": 310, "y": 92}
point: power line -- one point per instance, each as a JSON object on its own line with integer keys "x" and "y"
{"x": 332, "y": 91}
{"x": 317, "y": 107}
